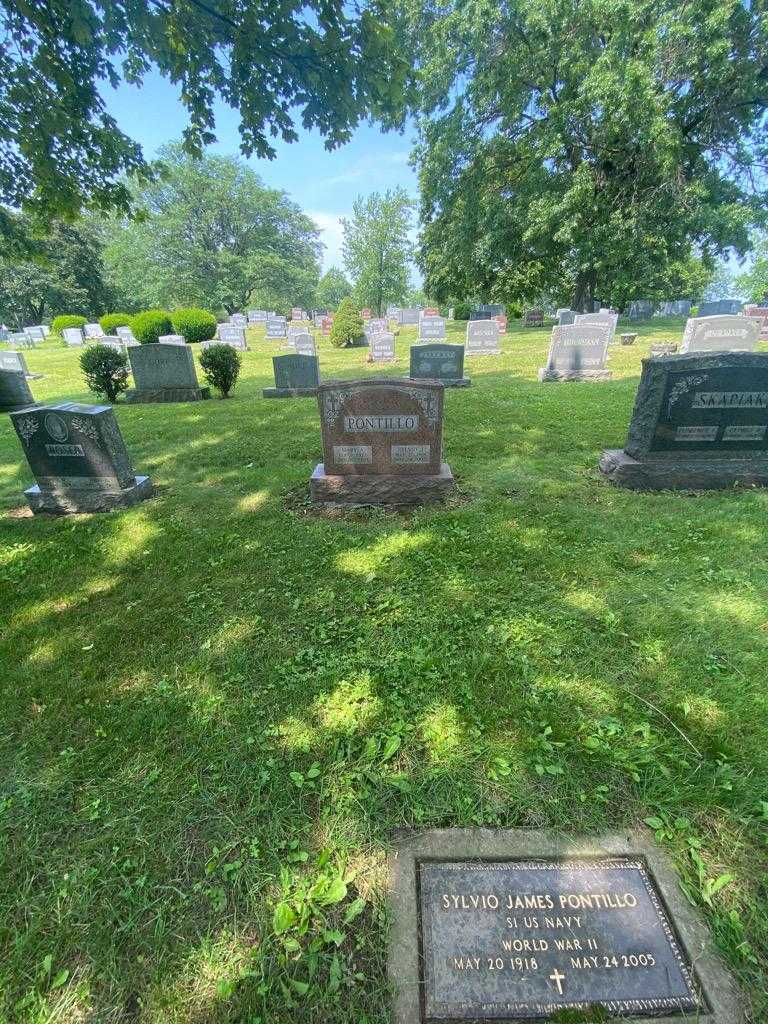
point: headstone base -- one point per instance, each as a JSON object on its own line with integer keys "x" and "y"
{"x": 71, "y": 501}
{"x": 546, "y": 375}
{"x": 380, "y": 490}
{"x": 136, "y": 395}
{"x": 649, "y": 474}
{"x": 289, "y": 393}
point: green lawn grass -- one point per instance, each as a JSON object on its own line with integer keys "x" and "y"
{"x": 219, "y": 705}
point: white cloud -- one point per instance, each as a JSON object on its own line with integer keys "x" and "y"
{"x": 332, "y": 237}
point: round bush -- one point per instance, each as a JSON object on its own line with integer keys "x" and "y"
{"x": 111, "y": 321}
{"x": 194, "y": 324}
{"x": 347, "y": 326}
{"x": 149, "y": 325}
{"x": 461, "y": 311}
{"x": 221, "y": 366}
{"x": 60, "y": 323}
{"x": 105, "y": 369}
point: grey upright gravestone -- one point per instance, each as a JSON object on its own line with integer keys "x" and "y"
{"x": 164, "y": 373}
{"x": 577, "y": 352}
{"x": 382, "y": 444}
{"x": 526, "y": 925}
{"x": 78, "y": 457}
{"x": 439, "y": 361}
{"x": 296, "y": 376}
{"x": 700, "y": 422}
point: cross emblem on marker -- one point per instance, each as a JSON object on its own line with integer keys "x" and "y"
{"x": 558, "y": 979}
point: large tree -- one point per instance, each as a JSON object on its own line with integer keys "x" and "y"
{"x": 332, "y": 288}
{"x": 61, "y": 273}
{"x": 211, "y": 234}
{"x": 377, "y": 249}
{"x": 583, "y": 148}
{"x": 324, "y": 62}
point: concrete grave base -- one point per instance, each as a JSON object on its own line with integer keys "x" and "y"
{"x": 72, "y": 501}
{"x": 649, "y": 474}
{"x": 714, "y": 984}
{"x": 546, "y": 375}
{"x": 457, "y": 382}
{"x": 289, "y": 393}
{"x": 135, "y": 395}
{"x": 380, "y": 489}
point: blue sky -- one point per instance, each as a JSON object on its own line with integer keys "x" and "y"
{"x": 324, "y": 184}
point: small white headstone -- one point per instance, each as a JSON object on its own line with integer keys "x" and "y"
{"x": 92, "y": 331}
{"x": 229, "y": 334}
{"x": 482, "y": 338}
{"x": 578, "y": 352}
{"x": 382, "y": 347}
{"x": 172, "y": 339}
{"x": 73, "y": 336}
{"x": 431, "y": 328}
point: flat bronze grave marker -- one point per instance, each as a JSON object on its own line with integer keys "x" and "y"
{"x": 526, "y": 925}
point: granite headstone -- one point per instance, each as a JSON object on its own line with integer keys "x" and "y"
{"x": 482, "y": 338}
{"x": 439, "y": 361}
{"x": 164, "y": 373}
{"x": 234, "y": 335}
{"x": 382, "y": 347}
{"x": 73, "y": 336}
{"x": 296, "y": 376}
{"x": 577, "y": 352}
{"x": 431, "y": 328}
{"x": 719, "y": 307}
{"x": 382, "y": 443}
{"x": 723, "y": 333}
{"x": 700, "y": 422}
{"x": 93, "y": 331}
{"x": 14, "y": 391}
{"x": 78, "y": 457}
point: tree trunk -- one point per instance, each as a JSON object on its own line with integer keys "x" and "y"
{"x": 584, "y": 291}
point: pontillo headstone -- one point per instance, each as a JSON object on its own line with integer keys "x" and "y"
{"x": 78, "y": 458}
{"x": 524, "y": 925}
{"x": 382, "y": 443}
{"x": 700, "y": 422}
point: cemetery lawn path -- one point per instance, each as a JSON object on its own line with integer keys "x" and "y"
{"x": 219, "y": 705}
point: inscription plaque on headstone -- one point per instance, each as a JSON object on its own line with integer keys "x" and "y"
{"x": 699, "y": 422}
{"x": 439, "y": 361}
{"x": 482, "y": 338}
{"x": 517, "y": 925}
{"x": 78, "y": 458}
{"x": 296, "y": 376}
{"x": 382, "y": 443}
{"x": 164, "y": 373}
{"x": 525, "y": 939}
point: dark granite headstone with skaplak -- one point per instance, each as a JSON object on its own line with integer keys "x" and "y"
{"x": 382, "y": 443}
{"x": 439, "y": 361}
{"x": 700, "y": 422}
{"x": 296, "y": 376}
{"x": 14, "y": 391}
{"x": 78, "y": 457}
{"x": 164, "y": 373}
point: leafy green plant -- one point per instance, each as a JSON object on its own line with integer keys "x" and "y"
{"x": 461, "y": 311}
{"x": 221, "y": 366}
{"x": 347, "y": 326}
{"x": 111, "y": 321}
{"x": 106, "y": 370}
{"x": 149, "y": 325}
{"x": 60, "y": 323}
{"x": 194, "y": 324}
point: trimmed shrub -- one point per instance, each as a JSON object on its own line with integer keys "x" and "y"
{"x": 106, "y": 370}
{"x": 347, "y": 326}
{"x": 111, "y": 321}
{"x": 221, "y": 366}
{"x": 60, "y": 323}
{"x": 194, "y": 324}
{"x": 461, "y": 311}
{"x": 149, "y": 325}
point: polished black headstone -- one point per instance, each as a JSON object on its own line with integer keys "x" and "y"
{"x": 437, "y": 361}
{"x": 529, "y": 939}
